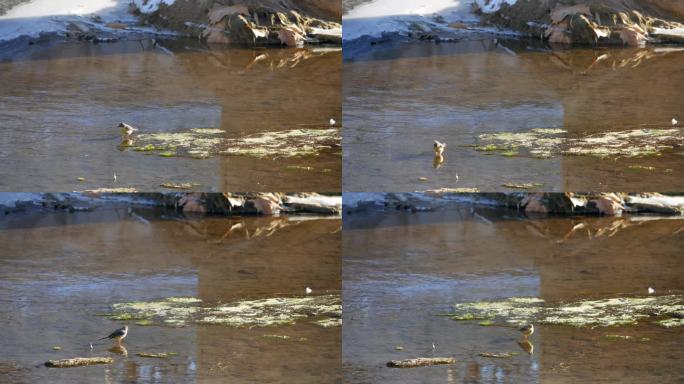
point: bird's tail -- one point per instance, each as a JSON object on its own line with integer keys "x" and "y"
{"x": 106, "y": 337}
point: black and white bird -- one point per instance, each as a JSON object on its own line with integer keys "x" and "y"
{"x": 118, "y": 335}
{"x": 526, "y": 330}
{"x": 127, "y": 129}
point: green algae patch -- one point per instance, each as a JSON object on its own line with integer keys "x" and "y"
{"x": 179, "y": 186}
{"x": 127, "y": 316}
{"x": 611, "y": 312}
{"x": 466, "y": 317}
{"x": 324, "y": 311}
{"x": 173, "y": 310}
{"x": 547, "y": 143}
{"x": 537, "y": 142}
{"x": 521, "y": 185}
{"x": 486, "y": 323}
{"x": 584, "y": 313}
{"x": 617, "y": 337}
{"x": 184, "y": 300}
{"x": 273, "y": 311}
{"x": 202, "y": 143}
{"x": 279, "y": 337}
{"x": 640, "y": 168}
{"x": 498, "y": 355}
{"x": 625, "y": 338}
{"x": 144, "y": 323}
{"x": 160, "y": 355}
{"x": 515, "y": 310}
{"x": 299, "y": 168}
{"x": 329, "y": 322}
{"x": 670, "y": 323}
{"x": 292, "y": 143}
{"x": 487, "y": 148}
{"x": 145, "y": 148}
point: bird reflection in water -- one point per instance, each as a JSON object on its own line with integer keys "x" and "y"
{"x": 119, "y": 349}
{"x": 526, "y": 346}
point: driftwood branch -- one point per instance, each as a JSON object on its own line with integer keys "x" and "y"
{"x": 78, "y": 362}
{"x": 420, "y": 362}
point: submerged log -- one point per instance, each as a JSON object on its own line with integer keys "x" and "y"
{"x": 78, "y": 362}
{"x": 421, "y": 362}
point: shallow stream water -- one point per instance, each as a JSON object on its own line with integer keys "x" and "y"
{"x": 61, "y": 102}
{"x": 402, "y": 271}
{"x": 399, "y": 97}
{"x": 60, "y": 271}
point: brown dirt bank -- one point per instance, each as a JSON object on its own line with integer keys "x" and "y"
{"x": 630, "y": 22}
{"x": 248, "y": 21}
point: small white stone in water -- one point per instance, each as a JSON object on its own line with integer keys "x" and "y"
{"x": 674, "y": 121}
{"x": 308, "y": 290}
{"x": 114, "y": 176}
{"x": 332, "y": 121}
{"x": 434, "y": 346}
{"x": 651, "y": 291}
{"x": 91, "y": 346}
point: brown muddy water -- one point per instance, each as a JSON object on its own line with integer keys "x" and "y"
{"x": 60, "y": 104}
{"x": 400, "y": 97}
{"x": 60, "y": 271}
{"x": 401, "y": 271}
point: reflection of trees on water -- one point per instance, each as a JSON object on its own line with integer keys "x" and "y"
{"x": 592, "y": 228}
{"x": 245, "y": 228}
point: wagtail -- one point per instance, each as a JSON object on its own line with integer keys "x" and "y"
{"x": 526, "y": 330}
{"x": 126, "y": 129}
{"x": 118, "y": 335}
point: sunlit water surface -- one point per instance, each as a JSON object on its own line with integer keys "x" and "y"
{"x": 60, "y": 104}
{"x": 402, "y": 270}
{"x": 399, "y": 97}
{"x": 58, "y": 271}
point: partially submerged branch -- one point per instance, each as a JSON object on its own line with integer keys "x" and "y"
{"x": 78, "y": 362}
{"x": 420, "y": 362}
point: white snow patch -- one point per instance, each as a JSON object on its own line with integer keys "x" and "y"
{"x": 149, "y": 6}
{"x": 380, "y": 16}
{"x": 672, "y": 31}
{"x": 32, "y": 18}
{"x": 52, "y": 16}
{"x": 491, "y": 6}
{"x": 321, "y": 200}
{"x": 11, "y": 199}
{"x": 354, "y": 199}
{"x": 381, "y": 8}
{"x": 41, "y": 8}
